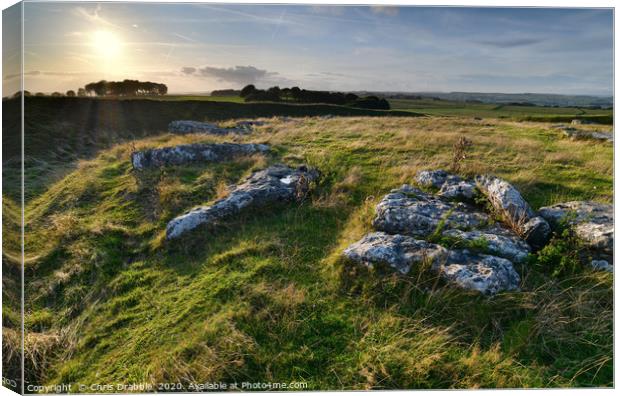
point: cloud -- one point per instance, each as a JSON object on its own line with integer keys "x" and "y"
{"x": 510, "y": 43}
{"x": 93, "y": 17}
{"x": 384, "y": 10}
{"x": 43, "y": 73}
{"x": 238, "y": 74}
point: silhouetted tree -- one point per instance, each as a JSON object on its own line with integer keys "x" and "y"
{"x": 295, "y": 94}
{"x": 247, "y": 90}
{"x": 56, "y": 94}
{"x": 81, "y": 92}
{"x": 125, "y": 88}
{"x": 70, "y": 93}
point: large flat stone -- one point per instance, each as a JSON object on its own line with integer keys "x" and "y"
{"x": 189, "y": 153}
{"x": 410, "y": 211}
{"x": 479, "y": 272}
{"x": 188, "y": 126}
{"x": 276, "y": 184}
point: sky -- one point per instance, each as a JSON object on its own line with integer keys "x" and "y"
{"x": 202, "y": 47}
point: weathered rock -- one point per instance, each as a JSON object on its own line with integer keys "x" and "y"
{"x": 277, "y": 183}
{"x": 602, "y": 265}
{"x": 187, "y": 126}
{"x": 435, "y": 178}
{"x": 593, "y": 223}
{"x": 536, "y": 232}
{"x": 188, "y": 153}
{"x": 412, "y": 212}
{"x": 480, "y": 272}
{"x": 483, "y": 273}
{"x": 515, "y": 210}
{"x": 397, "y": 251}
{"x": 459, "y": 191}
{"x": 499, "y": 241}
{"x": 576, "y": 134}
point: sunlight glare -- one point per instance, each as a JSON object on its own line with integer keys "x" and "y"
{"x": 106, "y": 44}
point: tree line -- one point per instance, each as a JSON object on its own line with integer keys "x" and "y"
{"x": 109, "y": 88}
{"x": 125, "y": 88}
{"x": 295, "y": 94}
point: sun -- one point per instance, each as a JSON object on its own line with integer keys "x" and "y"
{"x": 106, "y": 44}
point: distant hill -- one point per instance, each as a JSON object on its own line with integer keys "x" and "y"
{"x": 504, "y": 98}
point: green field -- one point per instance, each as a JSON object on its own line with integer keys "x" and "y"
{"x": 267, "y": 297}
{"x": 233, "y": 99}
{"x": 459, "y": 109}
{"x": 490, "y": 110}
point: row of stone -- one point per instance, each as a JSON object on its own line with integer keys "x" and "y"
{"x": 188, "y": 126}
{"x": 189, "y": 153}
{"x": 407, "y": 216}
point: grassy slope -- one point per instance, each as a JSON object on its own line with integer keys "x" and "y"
{"x": 266, "y": 298}
{"x": 518, "y": 113}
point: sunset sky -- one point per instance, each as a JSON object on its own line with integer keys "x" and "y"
{"x": 200, "y": 47}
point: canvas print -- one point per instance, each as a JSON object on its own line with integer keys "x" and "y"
{"x": 295, "y": 197}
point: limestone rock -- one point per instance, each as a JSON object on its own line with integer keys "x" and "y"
{"x": 577, "y": 134}
{"x": 435, "y": 178}
{"x": 187, "y": 126}
{"x": 397, "y": 251}
{"x": 459, "y": 191}
{"x": 479, "y": 272}
{"x": 277, "y": 183}
{"x": 517, "y": 212}
{"x": 188, "y": 153}
{"x": 412, "y": 212}
{"x": 593, "y": 222}
{"x": 602, "y": 265}
{"x": 499, "y": 241}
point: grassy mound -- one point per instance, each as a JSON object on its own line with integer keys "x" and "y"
{"x": 266, "y": 296}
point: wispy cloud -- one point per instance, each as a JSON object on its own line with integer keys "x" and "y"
{"x": 44, "y": 73}
{"x": 93, "y": 17}
{"x": 182, "y": 37}
{"x": 510, "y": 42}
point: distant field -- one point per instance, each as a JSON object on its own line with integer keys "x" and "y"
{"x": 234, "y": 99}
{"x": 459, "y": 108}
{"x": 489, "y": 110}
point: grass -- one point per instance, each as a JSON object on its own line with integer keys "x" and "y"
{"x": 266, "y": 297}
{"x": 511, "y": 112}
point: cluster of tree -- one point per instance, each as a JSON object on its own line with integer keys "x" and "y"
{"x": 125, "y": 88}
{"x": 70, "y": 93}
{"x": 276, "y": 94}
{"x": 226, "y": 92}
